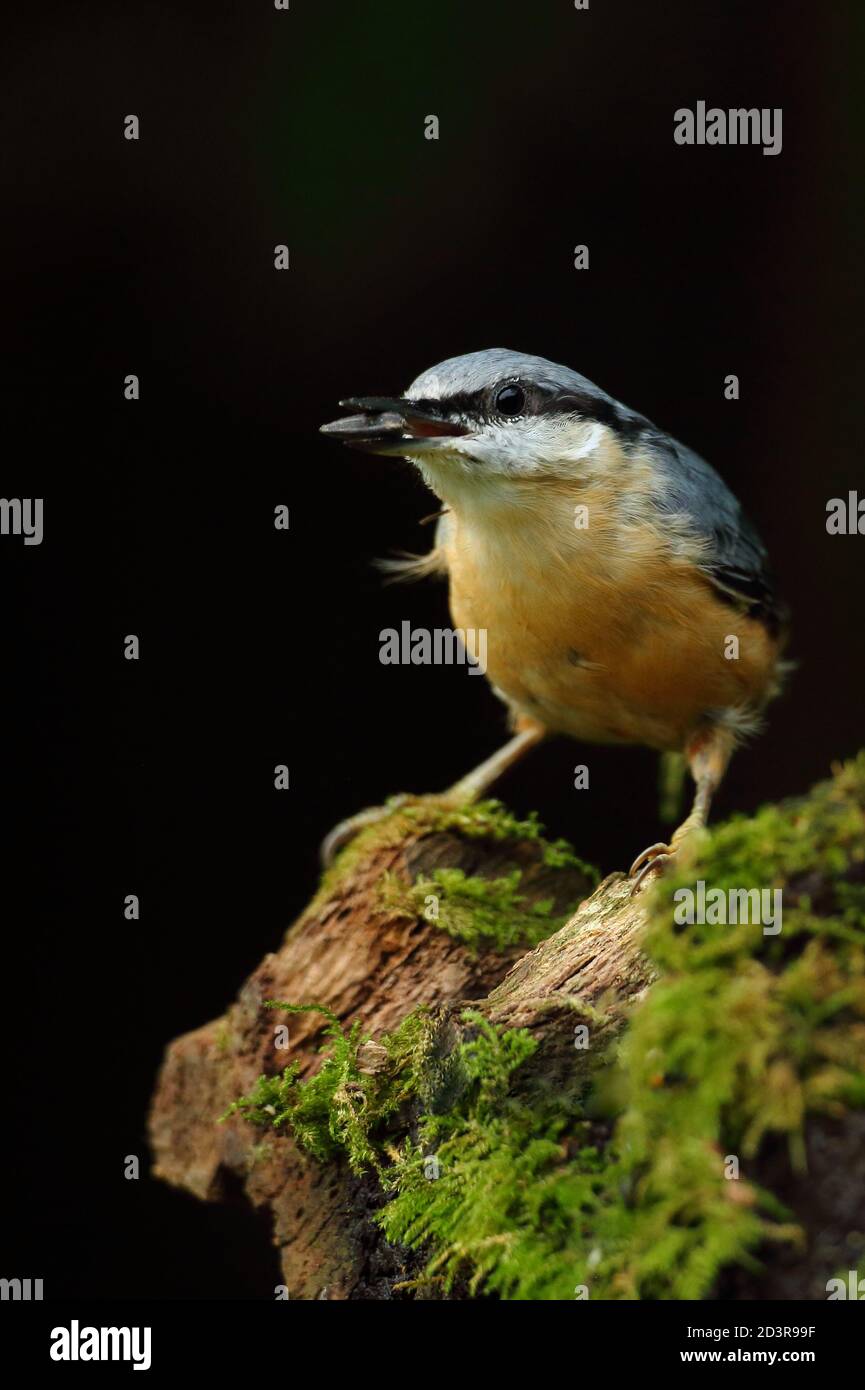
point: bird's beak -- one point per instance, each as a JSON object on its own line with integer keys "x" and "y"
{"x": 388, "y": 425}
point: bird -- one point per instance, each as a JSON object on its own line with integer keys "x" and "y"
{"x": 626, "y": 596}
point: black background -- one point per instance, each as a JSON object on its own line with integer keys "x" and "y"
{"x": 260, "y": 647}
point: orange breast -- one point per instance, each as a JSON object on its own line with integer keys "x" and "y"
{"x": 602, "y": 634}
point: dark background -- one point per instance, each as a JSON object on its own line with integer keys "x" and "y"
{"x": 261, "y": 647}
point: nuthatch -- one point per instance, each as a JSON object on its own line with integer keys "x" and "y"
{"x": 626, "y": 597}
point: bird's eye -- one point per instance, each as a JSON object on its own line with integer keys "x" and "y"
{"x": 510, "y": 399}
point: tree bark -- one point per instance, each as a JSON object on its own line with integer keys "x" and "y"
{"x": 366, "y": 959}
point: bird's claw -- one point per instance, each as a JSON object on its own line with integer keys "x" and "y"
{"x": 653, "y": 860}
{"x": 345, "y": 831}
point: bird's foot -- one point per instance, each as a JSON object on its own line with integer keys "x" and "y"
{"x": 343, "y": 833}
{"x": 652, "y": 861}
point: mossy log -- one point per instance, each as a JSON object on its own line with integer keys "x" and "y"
{"x": 538, "y": 1087}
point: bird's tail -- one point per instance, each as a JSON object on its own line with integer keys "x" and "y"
{"x": 672, "y": 771}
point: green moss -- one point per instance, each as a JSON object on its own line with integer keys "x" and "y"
{"x": 335, "y": 1110}
{"x": 505, "y": 1201}
{"x": 747, "y": 1034}
{"x": 483, "y": 820}
{"x": 743, "y": 1037}
{"x": 478, "y": 911}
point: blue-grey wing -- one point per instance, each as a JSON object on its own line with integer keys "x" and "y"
{"x": 734, "y": 559}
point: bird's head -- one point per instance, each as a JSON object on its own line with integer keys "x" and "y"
{"x": 476, "y": 424}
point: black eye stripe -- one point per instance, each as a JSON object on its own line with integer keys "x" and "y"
{"x": 540, "y": 399}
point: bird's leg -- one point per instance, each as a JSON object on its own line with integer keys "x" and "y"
{"x": 482, "y": 777}
{"x": 708, "y": 754}
{"x": 468, "y": 789}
